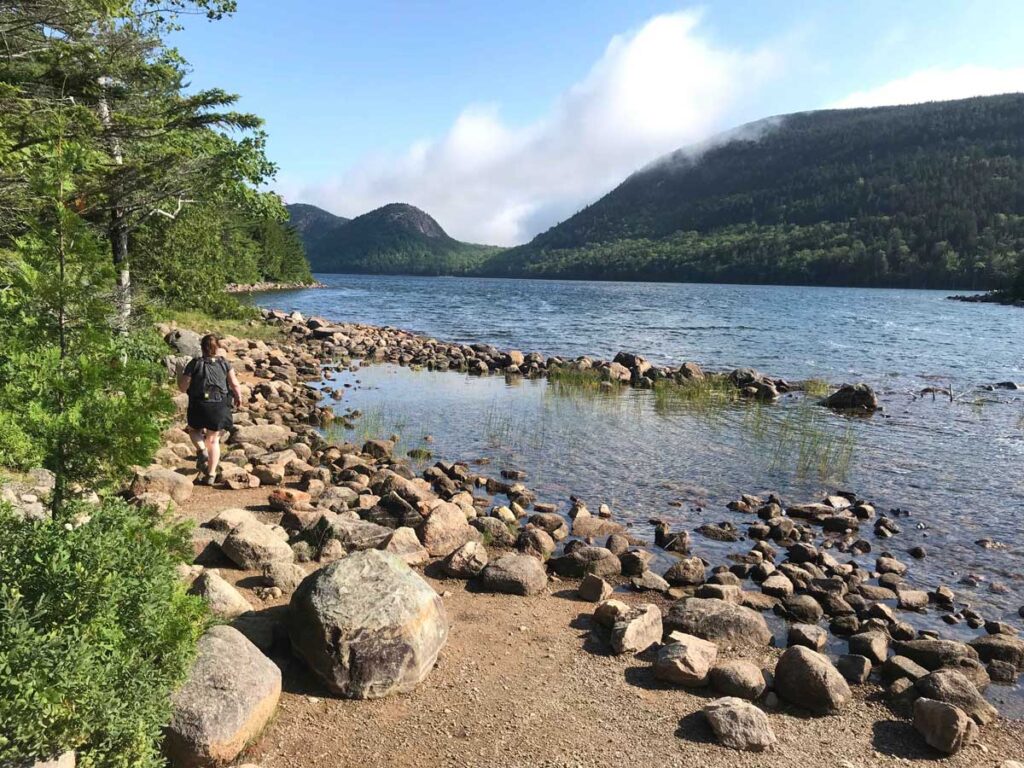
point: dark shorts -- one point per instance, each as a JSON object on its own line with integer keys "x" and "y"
{"x": 203, "y": 414}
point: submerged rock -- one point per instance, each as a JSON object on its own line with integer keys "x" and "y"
{"x": 852, "y": 397}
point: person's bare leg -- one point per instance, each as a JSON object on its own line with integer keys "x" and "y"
{"x": 197, "y": 436}
{"x": 212, "y": 452}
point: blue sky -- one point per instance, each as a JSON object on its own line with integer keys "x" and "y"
{"x": 501, "y": 118}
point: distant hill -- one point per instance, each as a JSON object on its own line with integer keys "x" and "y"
{"x": 310, "y": 222}
{"x": 394, "y": 239}
{"x": 928, "y": 195}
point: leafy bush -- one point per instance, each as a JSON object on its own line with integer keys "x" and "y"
{"x": 96, "y": 632}
{"x": 17, "y": 449}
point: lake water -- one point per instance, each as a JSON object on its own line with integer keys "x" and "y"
{"x": 954, "y": 466}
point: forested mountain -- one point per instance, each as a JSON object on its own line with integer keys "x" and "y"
{"x": 311, "y": 222}
{"x": 393, "y": 239}
{"x": 929, "y": 195}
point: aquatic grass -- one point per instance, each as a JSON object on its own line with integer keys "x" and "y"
{"x": 708, "y": 398}
{"x": 818, "y": 388}
{"x": 805, "y": 437}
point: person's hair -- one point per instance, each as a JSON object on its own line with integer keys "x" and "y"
{"x": 210, "y": 344}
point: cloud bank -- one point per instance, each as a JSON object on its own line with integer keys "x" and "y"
{"x": 653, "y": 90}
{"x": 939, "y": 85}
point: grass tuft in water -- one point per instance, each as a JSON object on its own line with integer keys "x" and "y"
{"x": 806, "y": 437}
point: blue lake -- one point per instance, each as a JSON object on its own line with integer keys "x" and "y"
{"x": 954, "y": 466}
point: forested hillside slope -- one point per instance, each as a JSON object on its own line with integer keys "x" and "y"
{"x": 929, "y": 195}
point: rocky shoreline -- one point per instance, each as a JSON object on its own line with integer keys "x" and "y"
{"x": 260, "y": 287}
{"x": 992, "y": 297}
{"x": 349, "y": 528}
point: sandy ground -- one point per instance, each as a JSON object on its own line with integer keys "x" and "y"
{"x": 522, "y": 682}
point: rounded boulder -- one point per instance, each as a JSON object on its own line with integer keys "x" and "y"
{"x": 368, "y": 625}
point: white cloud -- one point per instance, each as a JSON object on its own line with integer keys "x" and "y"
{"x": 653, "y": 90}
{"x": 939, "y": 85}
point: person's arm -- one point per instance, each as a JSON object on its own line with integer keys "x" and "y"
{"x": 185, "y": 378}
{"x": 236, "y": 391}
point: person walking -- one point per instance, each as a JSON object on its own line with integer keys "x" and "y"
{"x": 212, "y": 389}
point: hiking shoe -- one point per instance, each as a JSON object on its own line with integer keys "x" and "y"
{"x": 209, "y": 481}
{"x": 201, "y": 462}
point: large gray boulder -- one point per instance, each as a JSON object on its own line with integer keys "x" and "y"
{"x": 637, "y": 629}
{"x": 368, "y": 625}
{"x": 514, "y": 574}
{"x": 230, "y": 694}
{"x": 951, "y": 687}
{"x": 738, "y": 724}
{"x": 253, "y": 545}
{"x": 934, "y": 654}
{"x": 807, "y": 679}
{"x": 184, "y": 342}
{"x": 717, "y": 620}
{"x": 944, "y": 726}
{"x": 738, "y": 678}
{"x": 353, "y": 535}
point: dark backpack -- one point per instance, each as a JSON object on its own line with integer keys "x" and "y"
{"x": 209, "y": 380}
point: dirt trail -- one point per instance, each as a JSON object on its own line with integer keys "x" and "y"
{"x": 522, "y": 683}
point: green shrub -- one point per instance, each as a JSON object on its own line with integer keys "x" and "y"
{"x": 17, "y": 450}
{"x": 96, "y": 632}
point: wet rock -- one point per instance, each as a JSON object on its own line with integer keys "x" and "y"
{"x": 854, "y": 668}
{"x": 467, "y": 561}
{"x": 687, "y": 572}
{"x": 912, "y": 599}
{"x": 890, "y": 565}
{"x": 738, "y": 678}
{"x": 807, "y": 679}
{"x": 807, "y": 635}
{"x": 896, "y": 667}
{"x": 231, "y": 692}
{"x": 224, "y": 600}
{"x": 639, "y": 629}
{"x": 873, "y": 645}
{"x": 777, "y": 585}
{"x": 594, "y": 589}
{"x": 738, "y": 724}
{"x": 719, "y": 621}
{"x": 943, "y": 726}
{"x": 685, "y": 660}
{"x": 1000, "y": 647}
{"x": 852, "y": 397}
{"x": 933, "y": 654}
{"x": 951, "y": 687}
{"x": 802, "y": 608}
{"x": 253, "y": 545}
{"x": 514, "y": 574}
{"x": 635, "y": 561}
{"x": 368, "y": 625}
